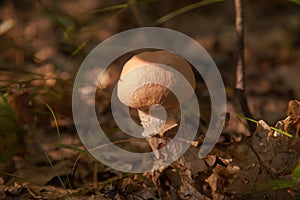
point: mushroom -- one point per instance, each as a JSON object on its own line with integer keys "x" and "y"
{"x": 145, "y": 84}
{"x": 148, "y": 97}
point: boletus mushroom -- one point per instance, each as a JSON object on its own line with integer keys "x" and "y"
{"x": 158, "y": 107}
{"x": 148, "y": 94}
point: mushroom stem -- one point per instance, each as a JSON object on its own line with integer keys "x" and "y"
{"x": 156, "y": 122}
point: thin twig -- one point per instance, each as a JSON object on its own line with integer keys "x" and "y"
{"x": 239, "y": 26}
{"x": 240, "y": 68}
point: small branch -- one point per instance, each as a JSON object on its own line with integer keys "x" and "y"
{"x": 240, "y": 68}
{"x": 239, "y": 26}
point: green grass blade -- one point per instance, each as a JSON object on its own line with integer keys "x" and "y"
{"x": 27, "y": 180}
{"x": 296, "y": 173}
{"x": 281, "y": 131}
{"x": 110, "y": 8}
{"x": 52, "y": 166}
{"x": 276, "y": 185}
{"x": 184, "y": 10}
{"x": 70, "y": 147}
{"x": 54, "y": 118}
{"x": 13, "y": 175}
{"x": 78, "y": 49}
{"x": 45, "y": 153}
{"x": 55, "y": 18}
{"x": 118, "y": 7}
{"x": 271, "y": 127}
{"x": 295, "y": 1}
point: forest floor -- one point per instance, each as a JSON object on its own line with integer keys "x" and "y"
{"x": 44, "y": 42}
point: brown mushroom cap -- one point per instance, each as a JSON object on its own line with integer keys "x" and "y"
{"x": 150, "y": 94}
